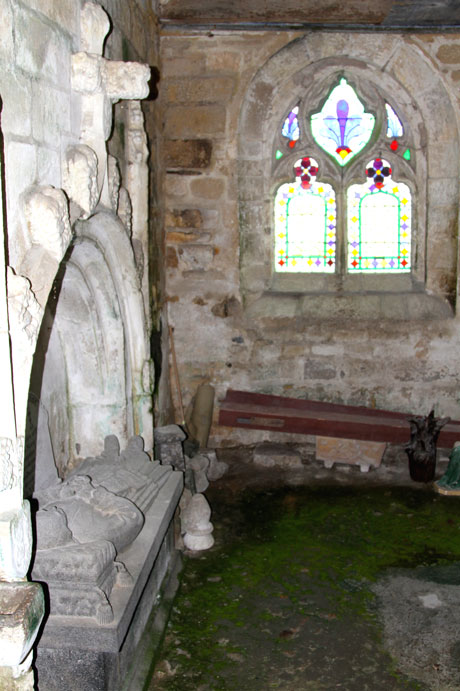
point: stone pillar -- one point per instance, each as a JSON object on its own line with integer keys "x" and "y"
{"x": 21, "y": 604}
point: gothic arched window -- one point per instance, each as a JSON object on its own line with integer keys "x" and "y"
{"x": 343, "y": 212}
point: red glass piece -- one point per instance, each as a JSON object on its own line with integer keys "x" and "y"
{"x": 394, "y": 145}
{"x": 305, "y": 162}
{"x": 281, "y": 263}
{"x": 292, "y": 143}
{"x": 404, "y": 263}
{"x": 330, "y": 262}
{"x": 354, "y": 263}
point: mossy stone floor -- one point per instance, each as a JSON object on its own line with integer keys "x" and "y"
{"x": 288, "y": 598}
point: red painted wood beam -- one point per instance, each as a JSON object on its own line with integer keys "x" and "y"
{"x": 262, "y": 411}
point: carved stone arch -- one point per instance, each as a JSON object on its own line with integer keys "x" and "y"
{"x": 89, "y": 368}
{"x": 397, "y": 71}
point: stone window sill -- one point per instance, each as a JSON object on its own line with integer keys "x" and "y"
{"x": 363, "y": 306}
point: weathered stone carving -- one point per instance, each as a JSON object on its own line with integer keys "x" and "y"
{"x": 114, "y": 181}
{"x": 196, "y": 525}
{"x": 16, "y": 541}
{"x": 7, "y": 464}
{"x": 93, "y": 512}
{"x": 168, "y": 445}
{"x": 130, "y": 474}
{"x": 25, "y": 313}
{"x": 83, "y": 522}
{"x": 94, "y": 27}
{"x": 47, "y": 219}
{"x": 79, "y": 178}
{"x": 125, "y": 211}
{"x": 80, "y": 577}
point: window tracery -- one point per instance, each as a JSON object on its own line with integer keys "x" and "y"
{"x": 342, "y": 224}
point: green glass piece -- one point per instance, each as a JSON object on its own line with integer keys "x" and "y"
{"x": 342, "y": 128}
{"x": 278, "y": 155}
{"x": 406, "y": 154}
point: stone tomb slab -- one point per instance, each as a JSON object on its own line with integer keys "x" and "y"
{"x": 77, "y": 652}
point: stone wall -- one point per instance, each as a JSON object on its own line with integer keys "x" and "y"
{"x": 381, "y": 349}
{"x": 53, "y": 107}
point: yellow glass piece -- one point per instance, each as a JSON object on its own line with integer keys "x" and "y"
{"x": 280, "y": 251}
{"x": 354, "y": 219}
{"x": 281, "y": 235}
{"x": 309, "y": 262}
{"x": 395, "y": 190}
{"x": 293, "y": 262}
{"x": 355, "y": 253}
{"x": 404, "y": 218}
{"x": 343, "y": 154}
{"x": 404, "y": 251}
{"x": 291, "y": 191}
{"x": 404, "y": 201}
{"x": 320, "y": 190}
{"x": 331, "y": 218}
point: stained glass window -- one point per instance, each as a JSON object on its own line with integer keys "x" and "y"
{"x": 342, "y": 127}
{"x": 305, "y": 222}
{"x": 394, "y": 127}
{"x": 290, "y": 128}
{"x": 379, "y": 222}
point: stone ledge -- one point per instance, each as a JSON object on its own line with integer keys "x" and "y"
{"x": 404, "y": 306}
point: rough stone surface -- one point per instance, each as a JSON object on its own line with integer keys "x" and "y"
{"x": 275, "y": 455}
{"x": 365, "y": 454}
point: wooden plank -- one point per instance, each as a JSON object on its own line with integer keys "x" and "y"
{"x": 295, "y": 416}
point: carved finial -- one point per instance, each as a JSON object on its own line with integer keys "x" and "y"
{"x": 94, "y": 27}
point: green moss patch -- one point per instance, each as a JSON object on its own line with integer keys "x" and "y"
{"x": 283, "y": 600}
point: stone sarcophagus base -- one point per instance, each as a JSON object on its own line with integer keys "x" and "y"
{"x": 94, "y": 653}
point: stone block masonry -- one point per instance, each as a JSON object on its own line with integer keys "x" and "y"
{"x": 351, "y": 347}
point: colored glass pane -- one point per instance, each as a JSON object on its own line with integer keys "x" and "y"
{"x": 394, "y": 125}
{"x": 305, "y": 220}
{"x": 342, "y": 128}
{"x": 379, "y": 222}
{"x": 406, "y": 154}
{"x": 290, "y": 128}
{"x": 279, "y": 154}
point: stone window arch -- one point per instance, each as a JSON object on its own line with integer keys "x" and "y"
{"x": 272, "y": 142}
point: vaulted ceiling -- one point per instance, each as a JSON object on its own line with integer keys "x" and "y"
{"x": 431, "y": 15}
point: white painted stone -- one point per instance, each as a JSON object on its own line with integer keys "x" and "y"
{"x": 79, "y": 178}
{"x": 94, "y": 26}
{"x": 431, "y": 601}
{"x": 125, "y": 80}
{"x": 16, "y": 92}
{"x": 86, "y": 73}
{"x": 16, "y": 542}
{"x": 196, "y": 524}
{"x": 50, "y": 114}
{"x": 21, "y": 612}
{"x": 41, "y": 49}
{"x": 47, "y": 220}
{"x": 114, "y": 181}
{"x": 125, "y": 210}
{"x": 49, "y": 165}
